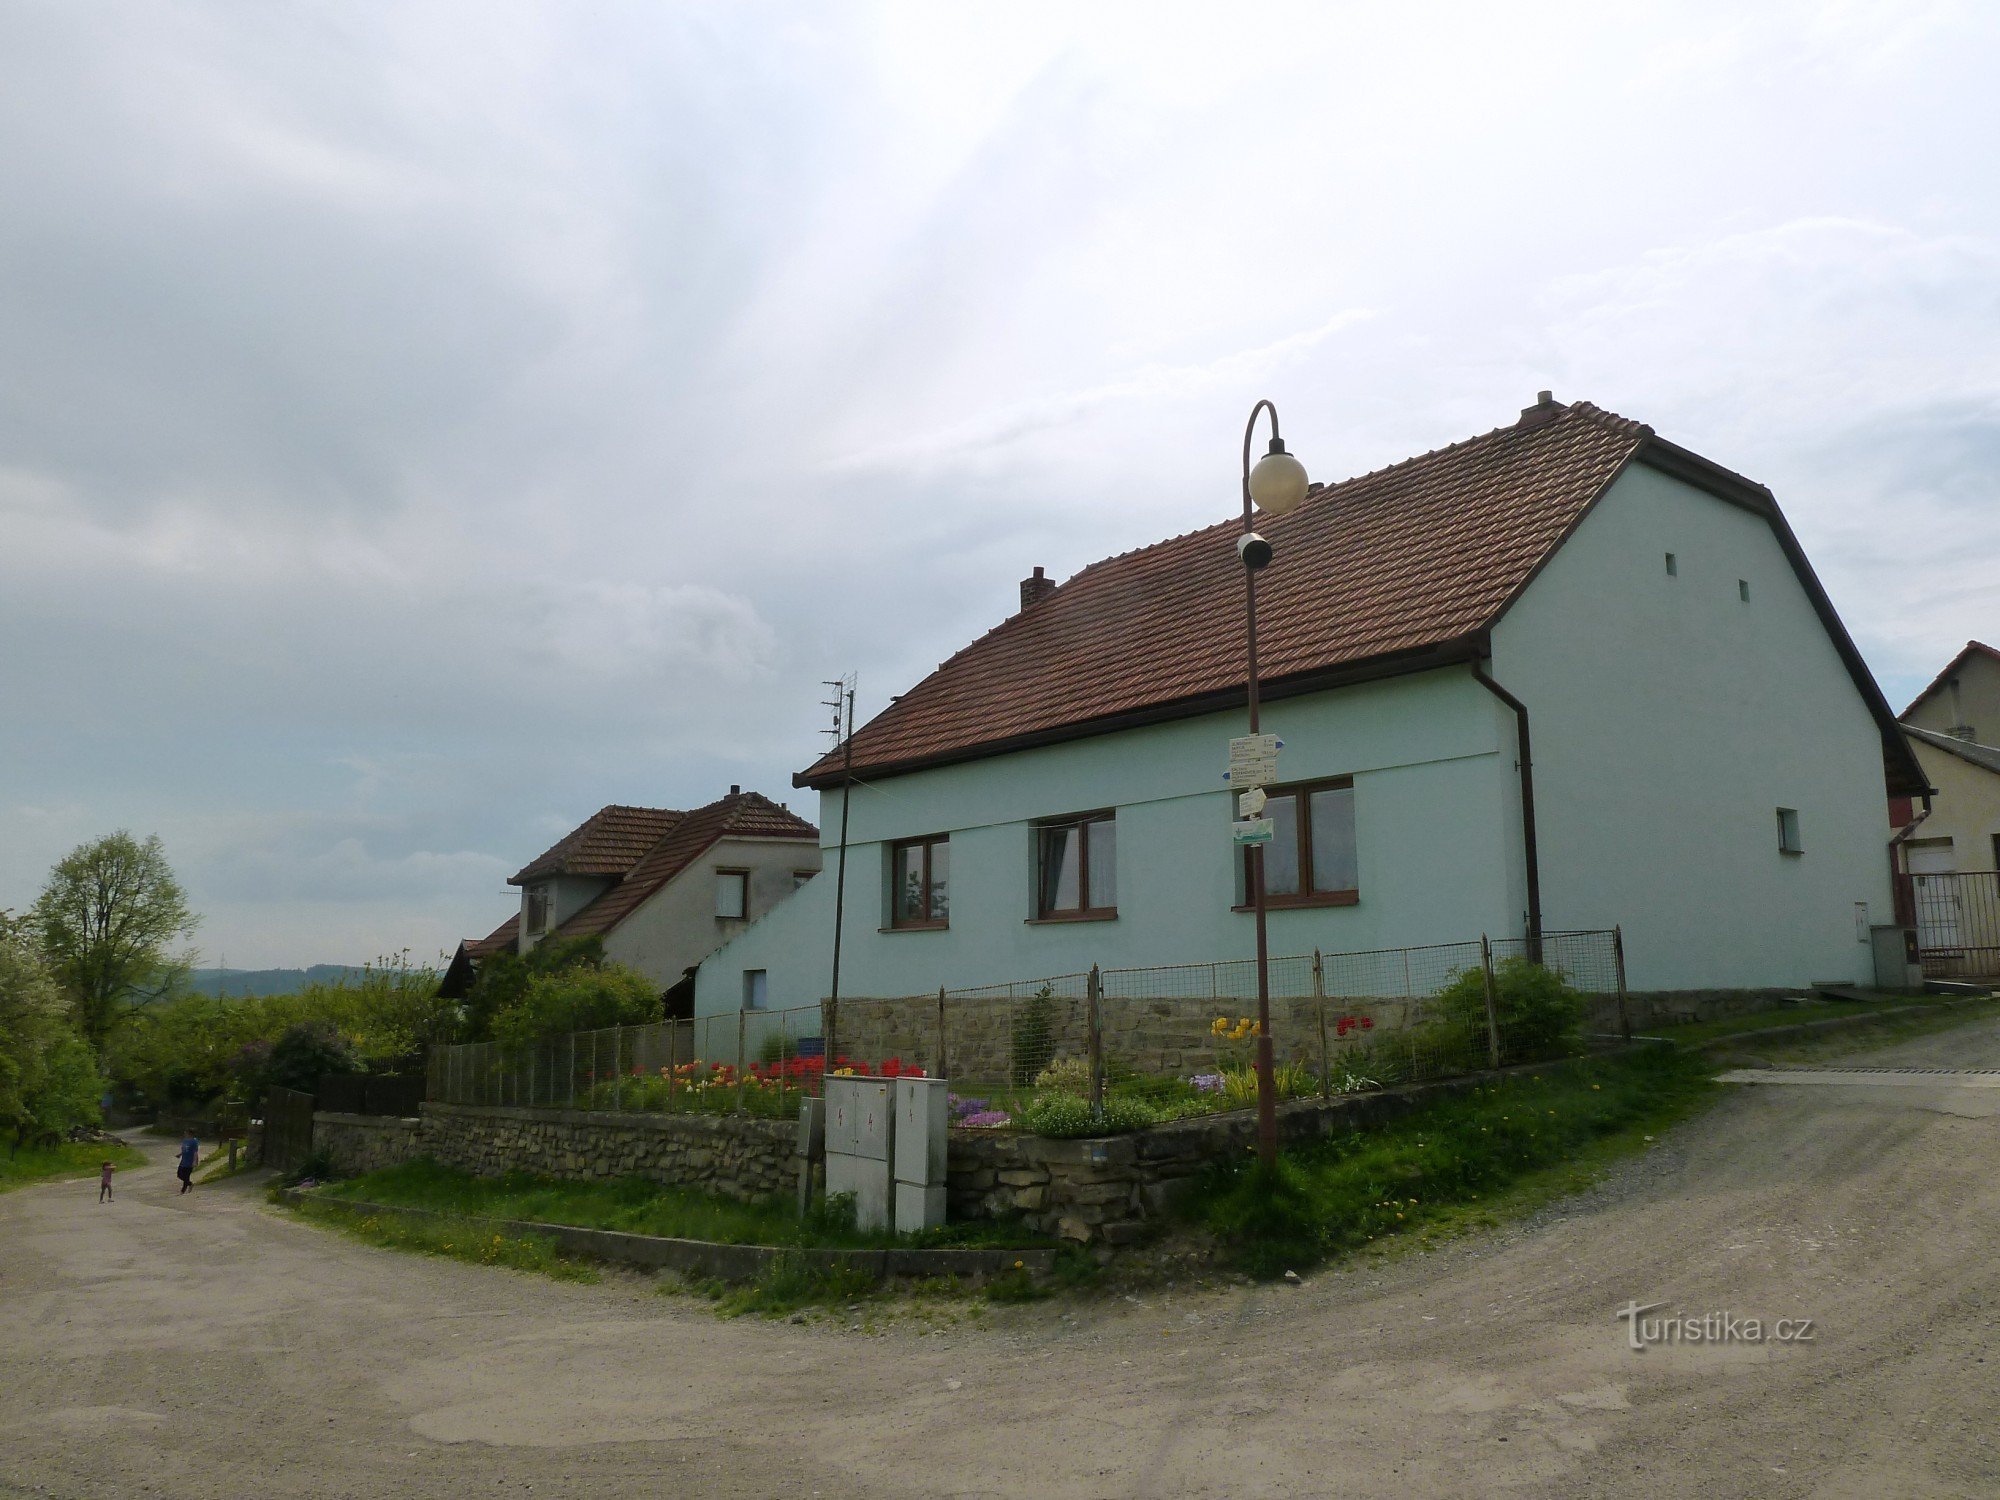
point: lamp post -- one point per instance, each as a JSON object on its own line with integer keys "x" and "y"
{"x": 1276, "y": 486}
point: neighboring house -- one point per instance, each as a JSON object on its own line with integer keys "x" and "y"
{"x": 1708, "y": 749}
{"x": 663, "y": 888}
{"x": 1949, "y": 849}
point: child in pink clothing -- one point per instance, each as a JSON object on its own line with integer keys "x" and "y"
{"x": 104, "y": 1183}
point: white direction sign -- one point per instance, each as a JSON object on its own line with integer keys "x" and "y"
{"x": 1253, "y": 760}
{"x": 1252, "y": 831}
{"x": 1250, "y": 804}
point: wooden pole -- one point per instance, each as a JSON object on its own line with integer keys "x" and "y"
{"x": 742, "y": 1020}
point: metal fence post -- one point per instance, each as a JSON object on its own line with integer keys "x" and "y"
{"x": 942, "y": 1055}
{"x": 1094, "y": 992}
{"x": 1618, "y": 955}
{"x": 617, "y": 1069}
{"x": 1492, "y": 1006}
{"x": 742, "y": 1019}
{"x": 1319, "y": 999}
{"x": 828, "y": 1039}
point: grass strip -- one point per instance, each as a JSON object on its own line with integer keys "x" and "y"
{"x": 1885, "y": 1030}
{"x": 33, "y": 1164}
{"x": 455, "y": 1239}
{"x": 1512, "y": 1143}
{"x": 1696, "y": 1033}
{"x": 637, "y": 1206}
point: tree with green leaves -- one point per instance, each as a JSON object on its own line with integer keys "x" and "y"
{"x": 48, "y": 1076}
{"x": 106, "y": 920}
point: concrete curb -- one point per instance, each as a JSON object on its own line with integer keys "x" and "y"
{"x": 721, "y": 1261}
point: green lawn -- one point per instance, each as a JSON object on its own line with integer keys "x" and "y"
{"x": 1458, "y": 1161}
{"x": 638, "y": 1207}
{"x": 41, "y": 1163}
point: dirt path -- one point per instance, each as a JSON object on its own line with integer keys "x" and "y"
{"x": 202, "y": 1346}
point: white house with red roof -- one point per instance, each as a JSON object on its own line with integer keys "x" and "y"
{"x": 663, "y": 888}
{"x": 1563, "y": 675}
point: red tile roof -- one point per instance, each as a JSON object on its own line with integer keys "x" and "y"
{"x": 740, "y": 815}
{"x": 506, "y": 935}
{"x": 1972, "y": 648}
{"x": 609, "y": 842}
{"x": 1396, "y": 570}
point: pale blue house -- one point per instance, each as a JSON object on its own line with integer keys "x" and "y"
{"x": 1709, "y": 752}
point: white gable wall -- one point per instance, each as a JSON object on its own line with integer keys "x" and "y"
{"x": 1670, "y": 720}
{"x": 676, "y": 927}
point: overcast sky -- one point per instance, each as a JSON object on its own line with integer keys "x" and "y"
{"x": 421, "y": 424}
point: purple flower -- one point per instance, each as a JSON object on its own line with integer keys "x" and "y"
{"x": 964, "y": 1107}
{"x": 1207, "y": 1083}
{"x": 987, "y": 1119}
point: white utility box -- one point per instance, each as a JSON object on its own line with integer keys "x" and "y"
{"x": 918, "y": 1207}
{"x": 868, "y": 1181}
{"x": 860, "y": 1114}
{"x": 923, "y": 1110}
{"x": 860, "y": 1130}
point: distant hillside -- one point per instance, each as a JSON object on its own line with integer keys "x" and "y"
{"x": 235, "y": 982}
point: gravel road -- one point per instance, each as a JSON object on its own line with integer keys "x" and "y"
{"x": 205, "y": 1346}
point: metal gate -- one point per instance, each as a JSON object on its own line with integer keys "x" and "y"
{"x": 288, "y": 1128}
{"x": 1958, "y": 923}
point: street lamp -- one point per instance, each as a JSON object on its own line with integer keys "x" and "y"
{"x": 1276, "y": 486}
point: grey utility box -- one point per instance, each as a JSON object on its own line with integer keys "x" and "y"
{"x": 860, "y": 1127}
{"x": 1896, "y": 962}
{"x": 923, "y": 1110}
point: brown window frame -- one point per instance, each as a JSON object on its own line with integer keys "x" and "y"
{"x": 1081, "y": 822}
{"x": 538, "y": 910}
{"x": 742, "y": 877}
{"x": 927, "y": 923}
{"x": 1301, "y": 793}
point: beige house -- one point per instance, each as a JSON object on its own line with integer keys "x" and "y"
{"x": 1948, "y": 851}
{"x": 1954, "y": 728}
{"x": 663, "y": 888}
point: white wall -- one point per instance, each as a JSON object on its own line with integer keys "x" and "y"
{"x": 1436, "y": 829}
{"x": 676, "y": 927}
{"x": 1670, "y": 719}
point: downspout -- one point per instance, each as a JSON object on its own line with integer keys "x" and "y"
{"x": 1903, "y": 902}
{"x": 1530, "y": 858}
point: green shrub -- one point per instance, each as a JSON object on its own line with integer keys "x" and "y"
{"x": 306, "y": 1053}
{"x": 1033, "y": 1036}
{"x": 1062, "y": 1115}
{"x": 577, "y": 999}
{"x": 1540, "y": 1016}
{"x": 1066, "y": 1075}
{"x": 777, "y": 1047}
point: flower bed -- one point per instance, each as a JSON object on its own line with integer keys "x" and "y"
{"x": 770, "y": 1089}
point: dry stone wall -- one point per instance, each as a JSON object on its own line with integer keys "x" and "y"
{"x": 364, "y": 1143}
{"x": 734, "y": 1156}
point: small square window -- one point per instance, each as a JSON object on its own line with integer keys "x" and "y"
{"x": 1743, "y": 589}
{"x": 756, "y": 989}
{"x": 1788, "y": 831}
{"x": 537, "y": 911}
{"x": 732, "y": 893}
{"x": 1673, "y": 566}
{"x": 920, "y": 882}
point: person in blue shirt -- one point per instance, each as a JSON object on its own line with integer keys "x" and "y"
{"x": 190, "y": 1149}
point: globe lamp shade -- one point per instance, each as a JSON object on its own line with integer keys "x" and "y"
{"x": 1278, "y": 483}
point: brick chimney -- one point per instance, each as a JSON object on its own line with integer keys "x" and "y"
{"x": 1545, "y": 409}
{"x": 1034, "y": 590}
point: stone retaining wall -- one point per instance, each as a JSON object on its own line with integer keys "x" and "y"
{"x": 364, "y": 1143}
{"x": 727, "y": 1154}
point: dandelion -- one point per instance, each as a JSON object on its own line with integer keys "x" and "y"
{"x": 1019, "y": 1264}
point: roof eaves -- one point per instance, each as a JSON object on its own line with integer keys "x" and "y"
{"x": 1371, "y": 669}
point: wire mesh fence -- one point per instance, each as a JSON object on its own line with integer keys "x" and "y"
{"x": 1175, "y": 1039}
